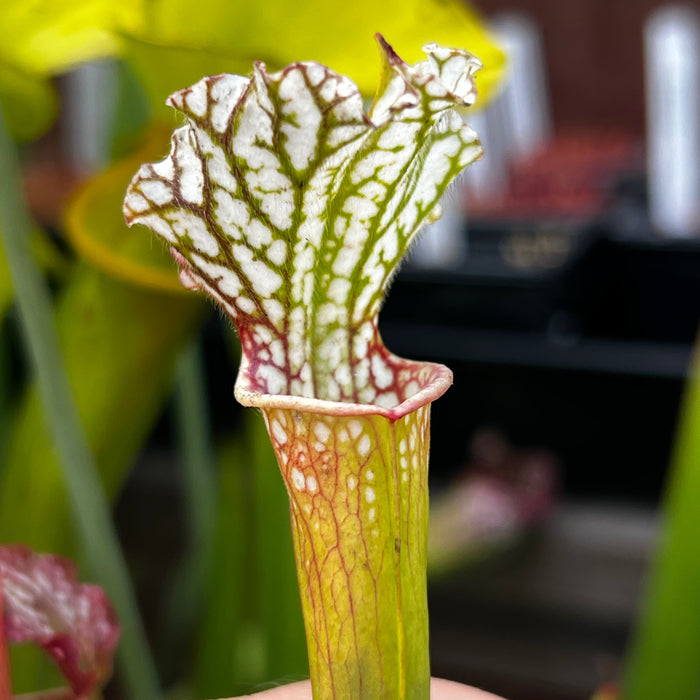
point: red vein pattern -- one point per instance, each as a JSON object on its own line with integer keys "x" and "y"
{"x": 359, "y": 503}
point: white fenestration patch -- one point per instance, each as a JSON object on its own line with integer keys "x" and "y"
{"x": 226, "y": 91}
{"x": 360, "y": 346}
{"x": 396, "y": 95}
{"x": 315, "y": 72}
{"x": 361, "y": 208}
{"x": 368, "y": 394}
{"x": 355, "y": 428}
{"x": 411, "y": 388}
{"x": 164, "y": 169}
{"x": 362, "y": 373}
{"x": 232, "y": 214}
{"x": 262, "y": 335}
{"x": 254, "y": 128}
{"x": 275, "y": 313}
{"x": 296, "y": 340}
{"x": 298, "y": 479}
{"x": 264, "y": 280}
{"x": 328, "y": 314}
{"x": 339, "y": 291}
{"x": 323, "y": 432}
{"x": 346, "y": 261}
{"x": 277, "y": 352}
{"x": 376, "y": 274}
{"x": 225, "y": 279}
{"x": 330, "y": 351}
{"x": 370, "y": 496}
{"x": 392, "y": 138}
{"x": 191, "y": 174}
{"x": 364, "y": 445}
{"x": 157, "y": 191}
{"x": 268, "y": 179}
{"x": 278, "y": 432}
{"x": 185, "y": 223}
{"x": 311, "y": 484}
{"x": 304, "y": 259}
{"x": 388, "y": 248}
{"x": 387, "y": 400}
{"x": 302, "y": 129}
{"x": 275, "y": 378}
{"x": 343, "y": 375}
{"x": 279, "y": 207}
{"x": 277, "y": 252}
{"x": 196, "y": 99}
{"x": 137, "y": 203}
{"x": 159, "y": 226}
{"x": 383, "y": 376}
{"x": 257, "y": 234}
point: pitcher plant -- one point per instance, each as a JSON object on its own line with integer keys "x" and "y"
{"x": 292, "y": 207}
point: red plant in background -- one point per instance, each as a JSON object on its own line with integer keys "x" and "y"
{"x": 5, "y": 680}
{"x": 43, "y": 602}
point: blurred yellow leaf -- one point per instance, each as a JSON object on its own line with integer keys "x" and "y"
{"x": 6, "y": 292}
{"x": 46, "y": 37}
{"x": 42, "y": 38}
{"x": 174, "y": 46}
{"x": 28, "y": 102}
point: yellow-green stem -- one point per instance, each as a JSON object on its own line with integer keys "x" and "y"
{"x": 359, "y": 508}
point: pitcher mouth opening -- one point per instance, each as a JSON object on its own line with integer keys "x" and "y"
{"x": 418, "y": 383}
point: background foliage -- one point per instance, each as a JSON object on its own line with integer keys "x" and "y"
{"x": 112, "y": 337}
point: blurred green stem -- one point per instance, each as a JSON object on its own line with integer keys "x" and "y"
{"x": 223, "y": 633}
{"x": 253, "y": 630}
{"x": 280, "y": 607}
{"x": 5, "y": 402}
{"x": 90, "y": 507}
{"x": 5, "y": 286}
{"x": 184, "y": 604}
{"x": 664, "y": 661}
{"x": 197, "y": 454}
